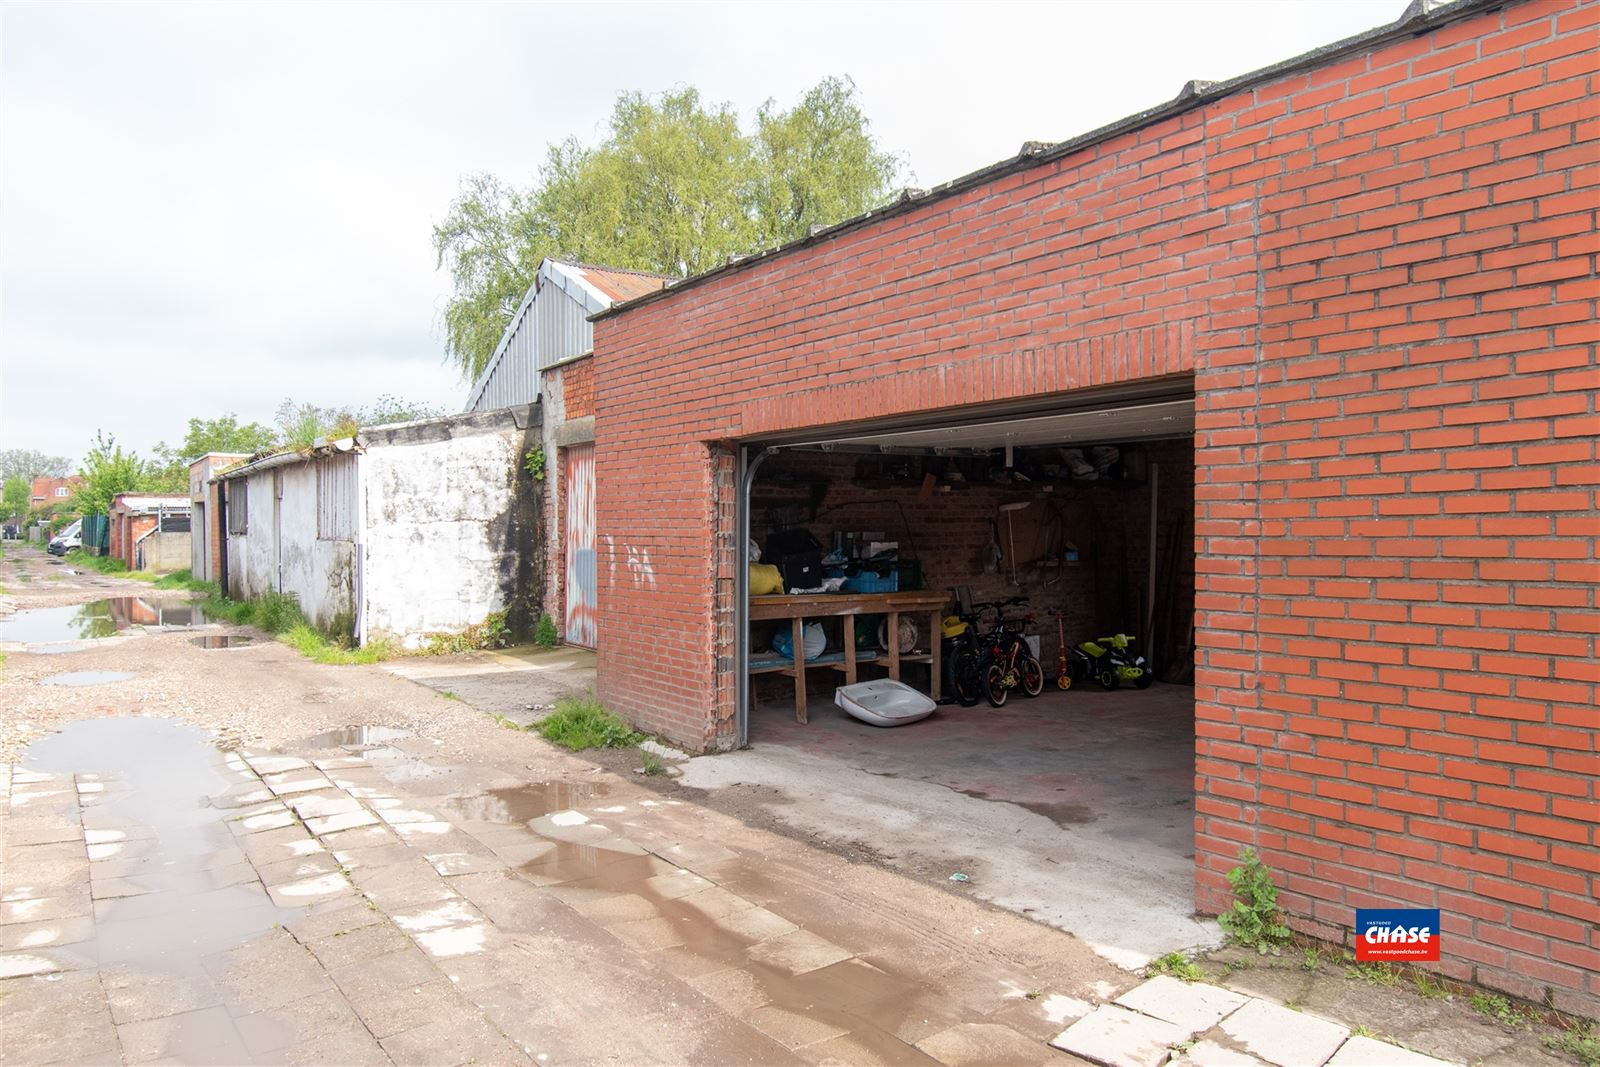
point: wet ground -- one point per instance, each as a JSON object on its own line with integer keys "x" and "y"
{"x": 97, "y": 619}
{"x": 282, "y": 862}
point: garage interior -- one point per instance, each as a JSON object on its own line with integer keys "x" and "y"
{"x": 1089, "y": 514}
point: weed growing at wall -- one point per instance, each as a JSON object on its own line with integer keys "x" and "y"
{"x": 280, "y": 616}
{"x": 583, "y": 722}
{"x": 533, "y": 463}
{"x": 1581, "y": 1042}
{"x": 492, "y": 632}
{"x": 545, "y": 636}
{"x": 1254, "y": 919}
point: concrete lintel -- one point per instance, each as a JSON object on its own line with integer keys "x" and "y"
{"x": 573, "y": 432}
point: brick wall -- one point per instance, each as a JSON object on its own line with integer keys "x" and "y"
{"x": 1381, "y": 273}
{"x": 577, "y": 385}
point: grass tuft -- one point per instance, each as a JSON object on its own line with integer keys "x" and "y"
{"x": 582, "y": 722}
{"x": 104, "y": 564}
{"x": 281, "y": 616}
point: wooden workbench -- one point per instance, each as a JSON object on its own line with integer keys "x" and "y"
{"x": 799, "y": 608}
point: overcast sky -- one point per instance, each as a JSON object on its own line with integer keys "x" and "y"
{"x": 209, "y": 208}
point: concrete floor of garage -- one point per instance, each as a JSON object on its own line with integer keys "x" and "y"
{"x": 1074, "y": 808}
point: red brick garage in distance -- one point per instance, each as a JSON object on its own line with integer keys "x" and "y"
{"x": 1376, "y": 266}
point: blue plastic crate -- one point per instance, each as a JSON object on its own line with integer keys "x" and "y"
{"x": 871, "y": 583}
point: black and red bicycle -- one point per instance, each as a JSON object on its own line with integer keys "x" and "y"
{"x": 1006, "y": 662}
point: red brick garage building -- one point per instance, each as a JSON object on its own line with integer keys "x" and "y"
{"x": 1375, "y": 269}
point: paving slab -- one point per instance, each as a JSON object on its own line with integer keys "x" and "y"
{"x": 134, "y": 996}
{"x": 58, "y": 1018}
{"x": 1212, "y": 1054}
{"x": 1195, "y": 1006}
{"x": 451, "y": 864}
{"x": 1117, "y": 1037}
{"x": 206, "y": 1035}
{"x": 18, "y": 937}
{"x": 1282, "y": 1035}
{"x": 1365, "y": 1052}
{"x": 342, "y": 821}
{"x": 448, "y": 1042}
{"x": 266, "y": 972}
{"x": 974, "y": 1044}
{"x": 25, "y": 964}
{"x": 792, "y": 1029}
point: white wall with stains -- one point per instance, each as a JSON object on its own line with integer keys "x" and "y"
{"x": 438, "y": 542}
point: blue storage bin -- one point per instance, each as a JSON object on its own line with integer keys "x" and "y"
{"x": 871, "y": 583}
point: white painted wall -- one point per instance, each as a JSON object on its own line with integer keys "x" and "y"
{"x": 436, "y": 542}
{"x": 280, "y": 552}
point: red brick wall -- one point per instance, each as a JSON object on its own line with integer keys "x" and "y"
{"x": 124, "y": 533}
{"x": 577, "y": 385}
{"x": 1382, "y": 274}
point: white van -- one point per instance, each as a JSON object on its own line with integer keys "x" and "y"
{"x": 67, "y": 539}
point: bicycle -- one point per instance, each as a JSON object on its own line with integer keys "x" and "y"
{"x": 1007, "y": 661}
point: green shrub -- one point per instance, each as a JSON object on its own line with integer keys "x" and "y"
{"x": 546, "y": 636}
{"x": 582, "y": 722}
{"x": 1254, "y": 920}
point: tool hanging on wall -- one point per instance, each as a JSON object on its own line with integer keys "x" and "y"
{"x": 1011, "y": 532}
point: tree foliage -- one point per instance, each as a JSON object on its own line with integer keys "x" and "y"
{"x": 28, "y": 464}
{"x": 221, "y": 434}
{"x": 107, "y": 471}
{"x": 675, "y": 186}
{"x": 16, "y": 497}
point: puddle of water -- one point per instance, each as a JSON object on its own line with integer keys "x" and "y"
{"x": 523, "y": 804}
{"x": 868, "y": 1002}
{"x": 357, "y": 735}
{"x": 86, "y": 678}
{"x": 221, "y": 640}
{"x": 158, "y": 775}
{"x": 99, "y": 618}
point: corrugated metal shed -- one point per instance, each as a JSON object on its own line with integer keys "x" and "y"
{"x": 551, "y": 326}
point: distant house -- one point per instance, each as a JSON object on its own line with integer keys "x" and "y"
{"x": 396, "y": 533}
{"x": 545, "y": 357}
{"x": 51, "y": 492}
{"x": 149, "y": 533}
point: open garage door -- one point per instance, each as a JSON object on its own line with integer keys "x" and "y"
{"x": 1072, "y": 523}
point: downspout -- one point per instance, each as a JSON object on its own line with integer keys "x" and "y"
{"x": 741, "y": 592}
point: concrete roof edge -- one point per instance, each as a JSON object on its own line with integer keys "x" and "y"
{"x": 1420, "y": 16}
{"x": 461, "y": 424}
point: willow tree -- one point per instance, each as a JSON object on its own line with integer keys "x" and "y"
{"x": 675, "y": 186}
